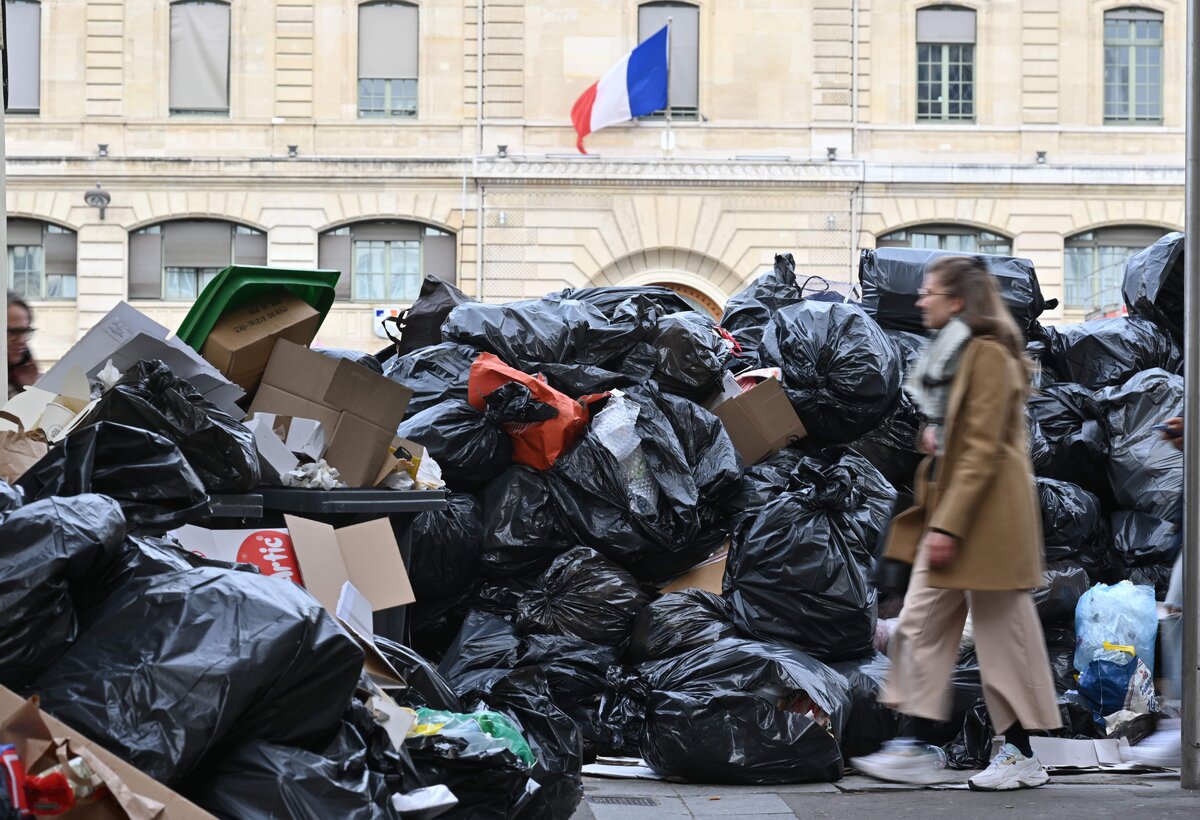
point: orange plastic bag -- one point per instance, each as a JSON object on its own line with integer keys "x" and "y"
{"x": 537, "y": 444}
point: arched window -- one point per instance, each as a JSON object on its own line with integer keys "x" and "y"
{"x": 199, "y": 81}
{"x": 1094, "y": 264}
{"x": 947, "y": 237}
{"x": 41, "y": 260}
{"x": 387, "y": 59}
{"x": 1133, "y": 66}
{"x": 385, "y": 260}
{"x": 176, "y": 259}
{"x": 683, "y": 92}
{"x": 23, "y": 19}
{"x": 945, "y": 64}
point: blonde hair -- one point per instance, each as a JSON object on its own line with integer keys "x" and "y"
{"x": 967, "y": 278}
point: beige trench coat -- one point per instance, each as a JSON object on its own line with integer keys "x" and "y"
{"x": 982, "y": 489}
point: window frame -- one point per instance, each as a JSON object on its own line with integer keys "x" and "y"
{"x": 162, "y": 229}
{"x": 987, "y": 241}
{"x": 207, "y": 113}
{"x": 387, "y": 230}
{"x": 45, "y": 229}
{"x": 388, "y": 112}
{"x": 679, "y": 113}
{"x": 1097, "y": 240}
{"x": 944, "y": 64}
{"x": 1131, "y": 45}
{"x": 36, "y": 110}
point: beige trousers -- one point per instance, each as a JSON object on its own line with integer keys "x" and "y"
{"x": 1017, "y": 683}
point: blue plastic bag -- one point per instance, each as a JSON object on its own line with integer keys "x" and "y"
{"x": 1122, "y": 615}
{"x": 1105, "y": 685}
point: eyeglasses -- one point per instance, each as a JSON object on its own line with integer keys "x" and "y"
{"x": 922, "y": 293}
{"x": 21, "y": 332}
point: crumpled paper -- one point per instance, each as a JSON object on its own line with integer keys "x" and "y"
{"x": 315, "y": 476}
{"x": 108, "y": 377}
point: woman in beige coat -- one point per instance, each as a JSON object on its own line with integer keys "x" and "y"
{"x": 973, "y": 538}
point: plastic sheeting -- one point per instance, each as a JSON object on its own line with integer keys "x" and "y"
{"x": 798, "y": 568}
{"x": 679, "y": 622}
{"x": 692, "y": 468}
{"x": 470, "y": 448}
{"x": 1153, "y": 285}
{"x": 744, "y": 712}
{"x": 584, "y": 595}
{"x": 174, "y": 665}
{"x": 1106, "y": 352}
{"x": 435, "y": 374}
{"x": 147, "y": 474}
{"x": 891, "y": 277}
{"x": 1146, "y": 472}
{"x": 841, "y": 373}
{"x": 220, "y": 449}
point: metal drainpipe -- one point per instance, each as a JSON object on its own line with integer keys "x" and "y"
{"x": 479, "y": 78}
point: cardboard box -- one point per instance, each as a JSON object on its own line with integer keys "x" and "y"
{"x": 281, "y": 440}
{"x": 38, "y": 736}
{"x": 760, "y": 420}
{"x": 359, "y": 409}
{"x": 707, "y": 575}
{"x": 240, "y": 343}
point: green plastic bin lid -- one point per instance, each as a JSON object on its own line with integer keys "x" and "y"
{"x": 239, "y": 284}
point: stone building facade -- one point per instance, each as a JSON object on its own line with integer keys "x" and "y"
{"x": 392, "y": 139}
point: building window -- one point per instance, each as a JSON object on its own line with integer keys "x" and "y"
{"x": 945, "y": 64}
{"x": 175, "y": 260}
{"x": 1133, "y": 66}
{"x": 956, "y": 238}
{"x": 1094, "y": 264}
{"x": 385, "y": 261}
{"x": 41, "y": 260}
{"x": 387, "y": 60}
{"x": 23, "y": 40}
{"x": 683, "y": 88}
{"x": 199, "y": 57}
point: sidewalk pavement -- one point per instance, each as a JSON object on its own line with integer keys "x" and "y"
{"x": 1093, "y": 796}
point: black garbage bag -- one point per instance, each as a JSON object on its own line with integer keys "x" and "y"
{"x": 174, "y": 665}
{"x": 1040, "y": 454}
{"x": 909, "y": 345}
{"x": 610, "y": 298}
{"x": 869, "y": 723}
{"x": 552, "y": 734}
{"x": 971, "y": 747}
{"x": 11, "y": 498}
{"x": 56, "y": 553}
{"x": 1106, "y": 352}
{"x": 1075, "y": 429}
{"x": 523, "y": 528}
{"x": 1153, "y": 286}
{"x": 220, "y": 449}
{"x": 1063, "y": 583}
{"x": 470, "y": 448}
{"x": 443, "y": 546}
{"x": 434, "y": 374}
{"x": 839, "y": 371}
{"x": 891, "y": 277}
{"x": 426, "y": 687}
{"x": 1153, "y": 575}
{"x": 584, "y": 595}
{"x": 744, "y": 712}
{"x": 421, "y": 325}
{"x": 1071, "y": 519}
{"x": 691, "y": 354}
{"x": 1143, "y": 539}
{"x": 679, "y": 622}
{"x": 748, "y": 311}
{"x": 367, "y": 360}
{"x": 146, "y": 473}
{"x": 762, "y": 483}
{"x": 658, "y": 513}
{"x": 433, "y": 623}
{"x": 1060, "y": 646}
{"x": 892, "y": 446}
{"x": 798, "y": 570}
{"x": 1146, "y": 472}
{"x": 501, "y": 596}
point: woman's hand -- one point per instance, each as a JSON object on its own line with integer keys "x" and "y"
{"x": 941, "y": 548}
{"x": 928, "y": 442}
{"x": 1174, "y": 432}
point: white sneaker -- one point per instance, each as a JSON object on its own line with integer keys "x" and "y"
{"x": 905, "y": 761}
{"x": 1008, "y": 770}
{"x": 1163, "y": 748}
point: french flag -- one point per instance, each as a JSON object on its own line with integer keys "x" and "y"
{"x": 634, "y": 87}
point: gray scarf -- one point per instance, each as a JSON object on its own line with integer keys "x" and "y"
{"x": 929, "y": 379}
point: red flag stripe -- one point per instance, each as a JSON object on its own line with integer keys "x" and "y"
{"x": 581, "y": 115}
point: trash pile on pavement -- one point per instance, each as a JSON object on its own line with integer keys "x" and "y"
{"x": 656, "y": 538}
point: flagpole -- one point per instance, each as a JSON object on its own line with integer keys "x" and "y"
{"x": 670, "y": 137}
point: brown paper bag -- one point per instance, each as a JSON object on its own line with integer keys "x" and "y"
{"x": 20, "y": 450}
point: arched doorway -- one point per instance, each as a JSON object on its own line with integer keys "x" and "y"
{"x": 695, "y": 297}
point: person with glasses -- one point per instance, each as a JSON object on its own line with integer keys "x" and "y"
{"x": 22, "y": 368}
{"x": 973, "y": 538}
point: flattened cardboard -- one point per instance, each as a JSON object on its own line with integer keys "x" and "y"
{"x": 359, "y": 409}
{"x": 1081, "y": 755}
{"x": 707, "y": 575}
{"x": 760, "y": 421}
{"x": 269, "y": 446}
{"x": 152, "y": 799}
{"x": 240, "y": 343}
{"x": 268, "y": 548}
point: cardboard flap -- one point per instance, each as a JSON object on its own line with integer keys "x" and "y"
{"x": 368, "y": 395}
{"x": 373, "y": 563}
{"x": 354, "y": 613}
{"x": 320, "y": 556}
